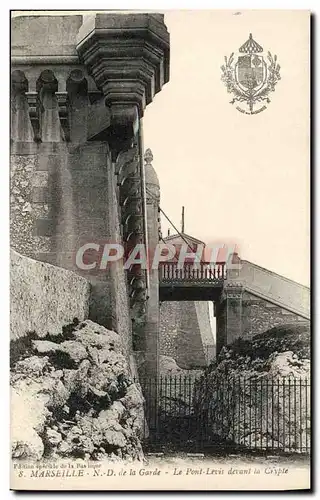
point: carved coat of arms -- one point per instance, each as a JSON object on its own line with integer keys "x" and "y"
{"x": 250, "y": 78}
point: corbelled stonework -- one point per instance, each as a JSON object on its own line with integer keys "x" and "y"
{"x": 128, "y": 57}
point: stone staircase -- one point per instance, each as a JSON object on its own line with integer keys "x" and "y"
{"x": 274, "y": 288}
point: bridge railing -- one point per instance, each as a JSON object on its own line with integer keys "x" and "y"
{"x": 197, "y": 272}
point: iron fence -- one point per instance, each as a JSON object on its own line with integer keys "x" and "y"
{"x": 260, "y": 413}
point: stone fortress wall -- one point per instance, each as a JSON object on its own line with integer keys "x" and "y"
{"x": 76, "y": 149}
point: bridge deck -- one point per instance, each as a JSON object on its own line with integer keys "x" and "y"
{"x": 191, "y": 281}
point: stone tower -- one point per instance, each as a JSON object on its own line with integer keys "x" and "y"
{"x": 80, "y": 86}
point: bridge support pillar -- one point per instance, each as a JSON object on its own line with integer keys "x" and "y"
{"x": 229, "y": 313}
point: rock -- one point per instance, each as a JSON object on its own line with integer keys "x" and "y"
{"x": 134, "y": 405}
{"x": 168, "y": 365}
{"x": 109, "y": 419}
{"x": 287, "y": 364}
{"x": 27, "y": 207}
{"x": 75, "y": 350}
{"x": 113, "y": 388}
{"x": 35, "y": 400}
{"x": 53, "y": 437}
{"x": 27, "y": 420}
{"x": 78, "y": 443}
{"x": 115, "y": 438}
{"x": 44, "y": 346}
{"x": 133, "y": 398}
{"x": 33, "y": 366}
{"x": 57, "y": 374}
{"x": 76, "y": 430}
{"x": 64, "y": 448}
{"x": 93, "y": 353}
{"x": 29, "y": 446}
{"x": 32, "y": 407}
{"x": 97, "y": 392}
{"x": 85, "y": 412}
{"x": 91, "y": 334}
{"x": 114, "y": 413}
{"x": 59, "y": 394}
{"x": 75, "y": 380}
{"x": 258, "y": 382}
{"x": 102, "y": 375}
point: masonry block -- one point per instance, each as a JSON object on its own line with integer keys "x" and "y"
{"x": 44, "y": 227}
{"x": 40, "y": 195}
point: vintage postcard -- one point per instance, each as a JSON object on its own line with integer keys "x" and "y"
{"x": 160, "y": 294}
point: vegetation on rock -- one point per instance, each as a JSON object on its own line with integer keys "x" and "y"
{"x": 257, "y": 392}
{"x": 73, "y": 396}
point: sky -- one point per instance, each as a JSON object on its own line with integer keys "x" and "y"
{"x": 243, "y": 179}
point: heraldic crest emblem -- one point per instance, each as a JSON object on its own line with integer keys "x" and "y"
{"x": 250, "y": 78}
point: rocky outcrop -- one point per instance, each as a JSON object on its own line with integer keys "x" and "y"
{"x": 257, "y": 393}
{"x": 44, "y": 298}
{"x": 72, "y": 396}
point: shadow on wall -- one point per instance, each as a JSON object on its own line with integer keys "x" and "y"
{"x": 186, "y": 333}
